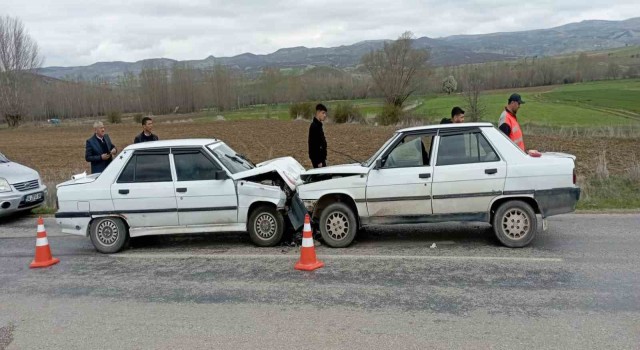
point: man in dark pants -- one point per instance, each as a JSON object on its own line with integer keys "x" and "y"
{"x": 317, "y": 141}
{"x": 457, "y": 116}
{"x": 146, "y": 135}
{"x": 99, "y": 150}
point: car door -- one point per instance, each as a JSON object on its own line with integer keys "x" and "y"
{"x": 468, "y": 174}
{"x": 400, "y": 184}
{"x": 205, "y": 194}
{"x": 144, "y": 191}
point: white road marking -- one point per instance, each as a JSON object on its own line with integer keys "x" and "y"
{"x": 329, "y": 257}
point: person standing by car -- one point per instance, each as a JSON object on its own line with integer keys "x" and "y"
{"x": 146, "y": 135}
{"x": 457, "y": 116}
{"x": 508, "y": 122}
{"x": 317, "y": 141}
{"x": 99, "y": 150}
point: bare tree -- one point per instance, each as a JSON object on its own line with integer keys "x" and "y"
{"x": 154, "y": 89}
{"x": 474, "y": 85}
{"x": 19, "y": 56}
{"x": 394, "y": 68}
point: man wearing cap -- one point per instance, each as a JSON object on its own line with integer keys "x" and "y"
{"x": 509, "y": 122}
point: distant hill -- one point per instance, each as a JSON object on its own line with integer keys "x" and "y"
{"x": 453, "y": 50}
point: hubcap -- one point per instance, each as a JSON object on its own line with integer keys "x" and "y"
{"x": 516, "y": 224}
{"x": 266, "y": 226}
{"x": 108, "y": 232}
{"x": 337, "y": 226}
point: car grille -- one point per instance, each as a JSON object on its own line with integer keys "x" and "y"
{"x": 26, "y": 186}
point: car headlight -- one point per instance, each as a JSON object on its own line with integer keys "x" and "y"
{"x": 4, "y": 185}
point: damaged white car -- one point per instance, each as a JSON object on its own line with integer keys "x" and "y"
{"x": 451, "y": 172}
{"x": 181, "y": 186}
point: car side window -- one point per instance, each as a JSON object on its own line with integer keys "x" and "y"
{"x": 147, "y": 168}
{"x": 465, "y": 148}
{"x": 194, "y": 167}
{"x": 412, "y": 151}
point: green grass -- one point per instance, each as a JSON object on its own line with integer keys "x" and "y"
{"x": 596, "y": 104}
{"x": 620, "y": 95}
{"x": 43, "y": 211}
{"x": 612, "y": 193}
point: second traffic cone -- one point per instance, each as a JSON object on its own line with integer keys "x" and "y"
{"x": 308, "y": 260}
{"x": 43, "y": 253}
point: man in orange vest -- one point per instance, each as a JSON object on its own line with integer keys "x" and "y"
{"x": 509, "y": 122}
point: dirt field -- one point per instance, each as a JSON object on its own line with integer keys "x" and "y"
{"x": 58, "y": 152}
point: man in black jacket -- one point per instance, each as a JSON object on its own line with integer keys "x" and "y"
{"x": 99, "y": 150}
{"x": 146, "y": 135}
{"x": 457, "y": 116}
{"x": 317, "y": 141}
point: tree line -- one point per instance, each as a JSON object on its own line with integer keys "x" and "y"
{"x": 394, "y": 72}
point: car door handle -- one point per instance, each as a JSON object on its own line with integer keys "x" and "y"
{"x": 424, "y": 176}
{"x": 123, "y": 191}
{"x": 490, "y": 171}
{"x": 181, "y": 190}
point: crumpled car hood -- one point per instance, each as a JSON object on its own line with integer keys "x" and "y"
{"x": 287, "y": 167}
{"x": 16, "y": 173}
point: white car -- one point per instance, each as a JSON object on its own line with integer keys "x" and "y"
{"x": 439, "y": 173}
{"x": 181, "y": 186}
{"x": 21, "y": 188}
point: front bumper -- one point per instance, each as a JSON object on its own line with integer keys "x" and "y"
{"x": 557, "y": 201}
{"x": 15, "y": 201}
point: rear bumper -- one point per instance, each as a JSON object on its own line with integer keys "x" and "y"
{"x": 557, "y": 201}
{"x": 74, "y": 224}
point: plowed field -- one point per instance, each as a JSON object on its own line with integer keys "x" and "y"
{"x": 58, "y": 152}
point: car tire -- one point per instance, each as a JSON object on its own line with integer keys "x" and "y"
{"x": 109, "y": 234}
{"x": 515, "y": 224}
{"x": 266, "y": 226}
{"x": 338, "y": 225}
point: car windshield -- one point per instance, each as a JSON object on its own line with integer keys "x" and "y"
{"x": 370, "y": 161}
{"x": 3, "y": 159}
{"x": 233, "y": 161}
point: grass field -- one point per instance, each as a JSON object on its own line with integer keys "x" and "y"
{"x": 596, "y": 104}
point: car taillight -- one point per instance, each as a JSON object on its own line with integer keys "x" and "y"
{"x": 574, "y": 176}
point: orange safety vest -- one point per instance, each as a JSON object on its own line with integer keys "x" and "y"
{"x": 516, "y": 131}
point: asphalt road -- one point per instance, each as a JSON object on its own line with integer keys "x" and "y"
{"x": 576, "y": 287}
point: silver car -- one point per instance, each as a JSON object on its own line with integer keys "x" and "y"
{"x": 20, "y": 187}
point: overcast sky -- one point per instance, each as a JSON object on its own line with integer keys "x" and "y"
{"x": 84, "y": 32}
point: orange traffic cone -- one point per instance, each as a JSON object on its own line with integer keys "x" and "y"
{"x": 308, "y": 261}
{"x": 43, "y": 253}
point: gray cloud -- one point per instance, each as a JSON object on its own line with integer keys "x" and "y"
{"x": 80, "y": 33}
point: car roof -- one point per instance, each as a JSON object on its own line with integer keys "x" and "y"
{"x": 172, "y": 143}
{"x": 444, "y": 126}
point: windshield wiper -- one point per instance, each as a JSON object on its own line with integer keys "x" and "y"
{"x": 234, "y": 158}
{"x": 245, "y": 158}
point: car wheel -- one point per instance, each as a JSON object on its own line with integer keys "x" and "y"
{"x": 338, "y": 225}
{"x": 266, "y": 226}
{"x": 515, "y": 224}
{"x": 109, "y": 235}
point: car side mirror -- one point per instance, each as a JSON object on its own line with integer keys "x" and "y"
{"x": 221, "y": 175}
{"x": 378, "y": 164}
